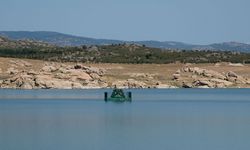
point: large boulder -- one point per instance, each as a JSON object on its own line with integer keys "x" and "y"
{"x": 78, "y": 66}
{"x": 248, "y": 81}
{"x": 95, "y": 76}
{"x": 213, "y": 74}
{"x": 62, "y": 76}
{"x": 241, "y": 80}
{"x": 130, "y": 83}
{"x": 233, "y": 77}
{"x": 199, "y": 83}
{"x": 78, "y": 75}
{"x": 49, "y": 69}
{"x": 43, "y": 81}
{"x": 176, "y": 76}
{"x": 19, "y": 80}
{"x": 12, "y": 71}
{"x": 160, "y": 85}
{"x": 63, "y": 70}
{"x": 185, "y": 69}
{"x": 232, "y": 74}
{"x": 48, "y": 82}
{"x": 93, "y": 70}
{"x": 27, "y": 64}
{"x": 187, "y": 85}
{"x": 236, "y": 64}
{"x": 27, "y": 85}
{"x": 61, "y": 84}
{"x": 198, "y": 71}
{"x": 178, "y": 71}
{"x": 32, "y": 72}
{"x": 221, "y": 83}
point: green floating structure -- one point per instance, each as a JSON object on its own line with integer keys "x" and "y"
{"x": 118, "y": 95}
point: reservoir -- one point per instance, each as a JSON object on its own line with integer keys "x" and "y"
{"x": 156, "y": 119}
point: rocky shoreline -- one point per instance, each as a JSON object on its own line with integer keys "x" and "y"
{"x": 22, "y": 74}
{"x": 53, "y": 76}
{"x": 194, "y": 77}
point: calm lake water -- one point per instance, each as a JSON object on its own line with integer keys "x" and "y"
{"x": 178, "y": 119}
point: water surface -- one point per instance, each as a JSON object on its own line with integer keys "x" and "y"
{"x": 180, "y": 119}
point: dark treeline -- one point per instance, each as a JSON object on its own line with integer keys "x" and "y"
{"x": 123, "y": 53}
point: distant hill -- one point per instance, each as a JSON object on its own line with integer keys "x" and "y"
{"x": 21, "y": 44}
{"x": 115, "y": 53}
{"x": 71, "y": 40}
{"x": 56, "y": 38}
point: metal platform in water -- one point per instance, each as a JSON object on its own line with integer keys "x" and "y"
{"x": 118, "y": 95}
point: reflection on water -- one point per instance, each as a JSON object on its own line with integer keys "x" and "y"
{"x": 138, "y": 94}
{"x": 147, "y": 123}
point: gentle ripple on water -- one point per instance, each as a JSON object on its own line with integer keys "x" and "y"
{"x": 179, "y": 119}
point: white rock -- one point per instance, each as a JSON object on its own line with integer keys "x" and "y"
{"x": 236, "y": 64}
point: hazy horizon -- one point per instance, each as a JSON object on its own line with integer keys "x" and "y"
{"x": 192, "y": 22}
{"x": 126, "y": 40}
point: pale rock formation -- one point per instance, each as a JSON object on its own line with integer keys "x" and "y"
{"x": 27, "y": 86}
{"x": 199, "y": 83}
{"x": 213, "y": 74}
{"x": 236, "y": 64}
{"x": 232, "y": 74}
{"x": 79, "y": 75}
{"x": 12, "y": 71}
{"x": 176, "y": 76}
{"x": 187, "y": 85}
{"x": 221, "y": 83}
{"x": 130, "y": 83}
{"x": 49, "y": 69}
{"x": 199, "y": 78}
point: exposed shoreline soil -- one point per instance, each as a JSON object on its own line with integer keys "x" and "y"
{"x": 36, "y": 74}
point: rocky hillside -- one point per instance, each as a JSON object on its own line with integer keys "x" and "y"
{"x": 116, "y": 53}
{"x": 70, "y": 40}
{"x": 15, "y": 44}
{"x": 55, "y": 38}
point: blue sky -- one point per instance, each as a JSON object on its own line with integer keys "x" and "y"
{"x": 190, "y": 21}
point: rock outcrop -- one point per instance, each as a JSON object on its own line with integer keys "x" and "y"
{"x": 26, "y": 74}
{"x": 194, "y": 77}
{"x": 130, "y": 83}
{"x": 53, "y": 76}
